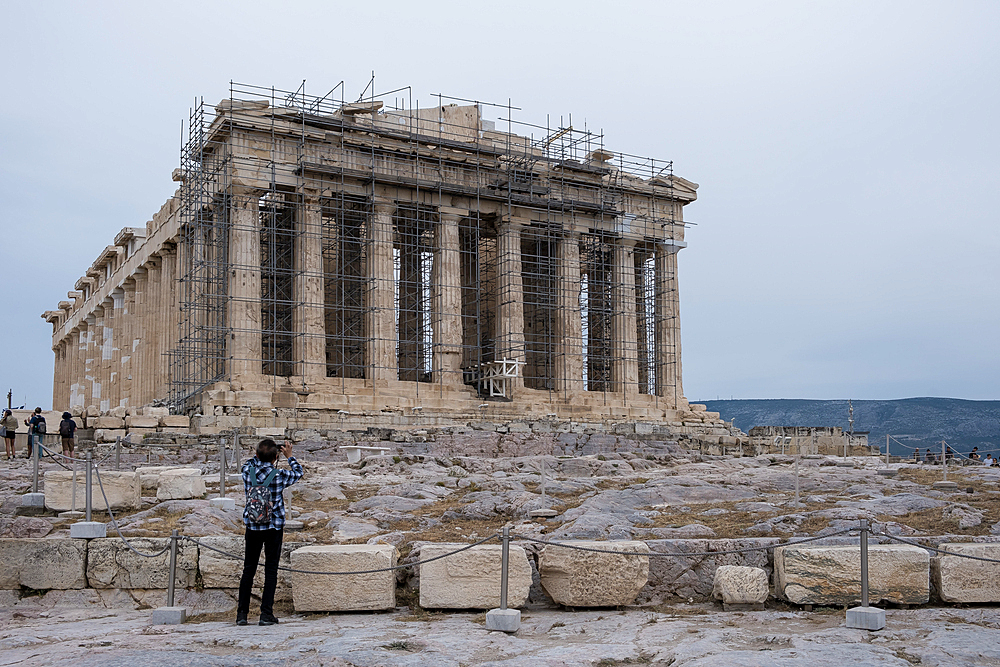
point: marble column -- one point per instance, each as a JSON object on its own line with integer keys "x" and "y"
{"x": 75, "y": 368}
{"x": 107, "y": 345}
{"x": 90, "y": 357}
{"x": 625, "y": 362}
{"x": 137, "y": 361}
{"x": 168, "y": 317}
{"x": 569, "y": 327}
{"x": 510, "y": 296}
{"x": 115, "y": 390}
{"x": 243, "y": 312}
{"x": 668, "y": 324}
{"x": 446, "y": 299}
{"x": 128, "y": 358}
{"x": 380, "y": 319}
{"x": 309, "y": 324}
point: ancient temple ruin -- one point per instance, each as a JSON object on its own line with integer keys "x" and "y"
{"x": 375, "y": 261}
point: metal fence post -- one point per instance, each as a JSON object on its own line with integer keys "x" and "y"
{"x": 222, "y": 467}
{"x": 864, "y": 562}
{"x": 35, "y": 453}
{"x": 173, "y": 567}
{"x": 118, "y": 452}
{"x": 74, "y": 485}
{"x": 90, "y": 473}
{"x": 504, "y": 553}
{"x": 865, "y": 617}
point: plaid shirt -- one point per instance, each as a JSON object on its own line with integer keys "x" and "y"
{"x": 285, "y": 478}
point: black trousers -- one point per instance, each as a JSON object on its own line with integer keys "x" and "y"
{"x": 270, "y": 540}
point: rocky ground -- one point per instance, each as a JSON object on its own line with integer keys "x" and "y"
{"x": 671, "y": 495}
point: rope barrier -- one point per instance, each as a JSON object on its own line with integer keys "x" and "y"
{"x": 114, "y": 524}
{"x": 935, "y": 549}
{"x": 381, "y": 569}
{"x": 661, "y": 554}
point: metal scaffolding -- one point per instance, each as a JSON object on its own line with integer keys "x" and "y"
{"x": 270, "y": 178}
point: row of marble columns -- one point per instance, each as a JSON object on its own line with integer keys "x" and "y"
{"x": 244, "y": 346}
{"x": 116, "y": 355}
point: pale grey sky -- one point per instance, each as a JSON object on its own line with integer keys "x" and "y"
{"x": 846, "y": 242}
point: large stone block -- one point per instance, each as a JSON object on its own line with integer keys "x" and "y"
{"x": 966, "y": 580}
{"x": 361, "y": 592}
{"x": 591, "y": 579}
{"x": 108, "y": 434}
{"x": 175, "y": 422}
{"x": 106, "y": 422}
{"x": 831, "y": 575}
{"x": 471, "y": 579}
{"x": 735, "y": 584}
{"x": 150, "y": 475}
{"x": 224, "y": 571}
{"x": 123, "y": 490}
{"x": 180, "y": 484}
{"x": 136, "y": 422}
{"x": 111, "y": 564}
{"x": 42, "y": 564}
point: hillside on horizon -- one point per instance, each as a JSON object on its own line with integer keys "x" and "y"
{"x": 915, "y": 422}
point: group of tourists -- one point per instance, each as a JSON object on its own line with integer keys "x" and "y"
{"x": 37, "y": 428}
{"x": 974, "y": 457}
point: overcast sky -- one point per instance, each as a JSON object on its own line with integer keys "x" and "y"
{"x": 846, "y": 240}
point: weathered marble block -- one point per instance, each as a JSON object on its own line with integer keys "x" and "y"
{"x": 123, "y": 490}
{"x": 221, "y": 571}
{"x": 43, "y": 564}
{"x": 111, "y": 564}
{"x": 966, "y": 580}
{"x": 735, "y": 584}
{"x": 589, "y": 579}
{"x": 180, "y": 484}
{"x": 831, "y": 575}
{"x": 471, "y": 579}
{"x": 356, "y": 592}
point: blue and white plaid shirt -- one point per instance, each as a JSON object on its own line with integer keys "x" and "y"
{"x": 255, "y": 468}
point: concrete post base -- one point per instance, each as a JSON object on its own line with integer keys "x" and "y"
{"x": 70, "y": 514}
{"x": 226, "y": 504}
{"x": 294, "y": 524}
{"x": 169, "y": 616}
{"x": 866, "y": 618}
{"x": 945, "y": 486}
{"x": 88, "y": 530}
{"x": 33, "y": 500}
{"x": 504, "y": 620}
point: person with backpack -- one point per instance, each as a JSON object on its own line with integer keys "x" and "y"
{"x": 36, "y": 429}
{"x": 264, "y": 518}
{"x": 67, "y": 429}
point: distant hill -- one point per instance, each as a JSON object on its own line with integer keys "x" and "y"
{"x": 917, "y": 422}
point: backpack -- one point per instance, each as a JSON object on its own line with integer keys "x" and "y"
{"x": 260, "y": 507}
{"x": 66, "y": 428}
{"x": 40, "y": 425}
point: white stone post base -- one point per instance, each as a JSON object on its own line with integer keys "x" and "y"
{"x": 225, "y": 504}
{"x": 866, "y": 618}
{"x": 88, "y": 530}
{"x": 33, "y": 500}
{"x": 504, "y": 620}
{"x": 169, "y": 616}
{"x": 70, "y": 514}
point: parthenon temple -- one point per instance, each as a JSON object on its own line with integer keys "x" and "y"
{"x": 384, "y": 263}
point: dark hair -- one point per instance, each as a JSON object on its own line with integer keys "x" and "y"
{"x": 67, "y": 415}
{"x": 267, "y": 450}
{"x": 38, "y": 409}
